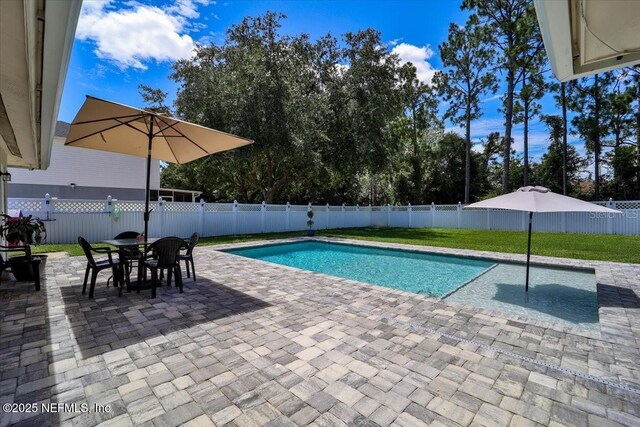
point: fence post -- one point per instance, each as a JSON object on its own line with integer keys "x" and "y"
{"x": 370, "y": 216}
{"x": 409, "y": 212}
{"x": 459, "y": 214}
{"x": 433, "y": 215}
{"x": 47, "y": 210}
{"x": 201, "y": 217}
{"x": 161, "y": 215}
{"x": 563, "y": 222}
{"x": 344, "y": 219}
{"x": 263, "y": 215}
{"x": 609, "y": 219}
{"x": 109, "y": 208}
{"x": 388, "y": 215}
{"x": 234, "y": 216}
{"x": 47, "y": 204}
{"x": 488, "y": 219}
{"x": 288, "y": 216}
{"x": 328, "y": 214}
{"x": 357, "y": 214}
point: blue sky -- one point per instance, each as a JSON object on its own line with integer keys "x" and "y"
{"x": 120, "y": 44}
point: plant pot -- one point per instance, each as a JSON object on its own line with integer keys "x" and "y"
{"x": 310, "y": 233}
{"x": 23, "y": 270}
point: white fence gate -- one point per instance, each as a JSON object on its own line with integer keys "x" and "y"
{"x": 102, "y": 219}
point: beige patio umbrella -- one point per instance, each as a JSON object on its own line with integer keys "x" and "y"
{"x": 109, "y": 126}
{"x": 538, "y": 199}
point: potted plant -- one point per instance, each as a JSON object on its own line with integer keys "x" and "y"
{"x": 310, "y": 223}
{"x": 24, "y": 231}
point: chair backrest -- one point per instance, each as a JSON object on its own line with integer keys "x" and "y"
{"x": 133, "y": 249}
{"x": 166, "y": 250}
{"x": 86, "y": 248}
{"x": 127, "y": 235}
{"x": 193, "y": 241}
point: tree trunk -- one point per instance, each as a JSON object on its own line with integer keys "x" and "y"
{"x": 637, "y": 78}
{"x": 637, "y": 68}
{"x": 467, "y": 169}
{"x": 563, "y": 97}
{"x": 507, "y": 131}
{"x": 526, "y": 142}
{"x": 596, "y": 138}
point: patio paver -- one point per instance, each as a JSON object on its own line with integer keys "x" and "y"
{"x": 252, "y": 343}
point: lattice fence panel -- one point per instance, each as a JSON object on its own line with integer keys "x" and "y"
{"x": 27, "y": 206}
{"x": 77, "y": 206}
{"x": 125, "y": 206}
{"x": 218, "y": 207}
{"x": 181, "y": 207}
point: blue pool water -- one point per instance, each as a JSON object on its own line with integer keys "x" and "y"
{"x": 434, "y": 275}
{"x": 560, "y": 296}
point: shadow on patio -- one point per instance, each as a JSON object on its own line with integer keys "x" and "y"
{"x": 109, "y": 322}
{"x": 616, "y": 296}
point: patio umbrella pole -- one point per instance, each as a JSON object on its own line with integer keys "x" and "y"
{"x": 147, "y": 190}
{"x": 526, "y": 286}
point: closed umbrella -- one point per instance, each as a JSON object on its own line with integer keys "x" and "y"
{"x": 109, "y": 126}
{"x": 538, "y": 199}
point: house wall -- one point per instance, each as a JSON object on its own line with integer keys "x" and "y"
{"x": 92, "y": 171}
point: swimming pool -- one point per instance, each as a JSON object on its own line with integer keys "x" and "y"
{"x": 420, "y": 273}
{"x": 560, "y": 296}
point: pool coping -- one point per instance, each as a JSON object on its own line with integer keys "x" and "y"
{"x": 602, "y": 278}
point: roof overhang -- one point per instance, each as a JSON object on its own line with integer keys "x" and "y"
{"x": 36, "y": 38}
{"x": 584, "y": 37}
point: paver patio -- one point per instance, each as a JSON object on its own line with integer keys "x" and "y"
{"x": 252, "y": 343}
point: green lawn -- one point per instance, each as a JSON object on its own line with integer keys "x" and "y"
{"x": 580, "y": 246}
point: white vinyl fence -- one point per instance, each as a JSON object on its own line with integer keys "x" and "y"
{"x": 97, "y": 220}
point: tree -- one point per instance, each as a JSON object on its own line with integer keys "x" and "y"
{"x": 320, "y": 113}
{"x": 589, "y": 99}
{"x": 563, "y": 103}
{"x": 531, "y": 61}
{"x": 446, "y": 163}
{"x": 468, "y": 76}
{"x": 508, "y": 22}
{"x": 154, "y": 99}
{"x": 415, "y": 129}
{"x": 549, "y": 172}
{"x": 244, "y": 87}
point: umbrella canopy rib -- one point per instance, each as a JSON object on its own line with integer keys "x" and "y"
{"x": 106, "y": 129}
{"x": 172, "y": 126}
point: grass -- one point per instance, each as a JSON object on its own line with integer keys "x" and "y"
{"x": 579, "y": 246}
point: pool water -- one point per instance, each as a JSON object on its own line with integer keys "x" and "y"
{"x": 562, "y": 296}
{"x": 420, "y": 273}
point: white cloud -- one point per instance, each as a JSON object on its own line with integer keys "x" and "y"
{"x": 419, "y": 57}
{"x": 187, "y": 8}
{"x": 140, "y": 33}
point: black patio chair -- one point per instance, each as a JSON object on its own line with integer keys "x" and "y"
{"x": 162, "y": 255}
{"x": 132, "y": 253}
{"x": 187, "y": 257}
{"x": 116, "y": 265}
{"x": 26, "y": 258}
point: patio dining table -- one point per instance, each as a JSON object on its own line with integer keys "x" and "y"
{"x": 122, "y": 245}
